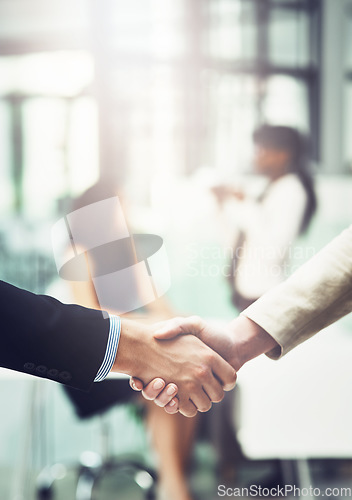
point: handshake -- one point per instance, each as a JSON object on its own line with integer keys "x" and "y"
{"x": 186, "y": 364}
{"x": 198, "y": 361}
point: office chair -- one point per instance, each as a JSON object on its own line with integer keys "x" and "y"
{"x": 94, "y": 467}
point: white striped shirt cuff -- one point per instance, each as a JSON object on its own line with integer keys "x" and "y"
{"x": 111, "y": 348}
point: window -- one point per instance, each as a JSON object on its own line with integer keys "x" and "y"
{"x": 158, "y": 89}
{"x": 289, "y": 37}
{"x": 50, "y": 129}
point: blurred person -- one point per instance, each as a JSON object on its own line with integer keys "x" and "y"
{"x": 265, "y": 228}
{"x": 268, "y": 226}
{"x": 172, "y": 435}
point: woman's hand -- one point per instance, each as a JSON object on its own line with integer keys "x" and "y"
{"x": 163, "y": 395}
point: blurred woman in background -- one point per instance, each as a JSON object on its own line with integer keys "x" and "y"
{"x": 268, "y": 225}
{"x": 265, "y": 229}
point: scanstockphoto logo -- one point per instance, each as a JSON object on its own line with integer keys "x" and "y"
{"x": 128, "y": 271}
{"x": 287, "y": 491}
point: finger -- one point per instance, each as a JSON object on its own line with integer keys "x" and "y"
{"x": 179, "y": 326}
{"x": 214, "y": 390}
{"x": 225, "y": 373}
{"x": 153, "y": 389}
{"x": 187, "y": 408}
{"x": 136, "y": 384}
{"x": 201, "y": 401}
{"x": 172, "y": 407}
{"x": 169, "y": 329}
{"x": 166, "y": 395}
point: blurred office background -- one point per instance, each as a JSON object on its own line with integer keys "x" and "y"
{"x": 164, "y": 96}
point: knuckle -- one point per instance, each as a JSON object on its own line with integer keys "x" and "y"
{"x": 195, "y": 320}
{"x": 179, "y": 320}
{"x": 192, "y": 384}
{"x": 209, "y": 357}
{"x": 202, "y": 373}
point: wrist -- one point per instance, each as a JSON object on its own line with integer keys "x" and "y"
{"x": 250, "y": 340}
{"x": 129, "y": 356}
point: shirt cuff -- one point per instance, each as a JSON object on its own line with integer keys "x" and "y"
{"x": 111, "y": 348}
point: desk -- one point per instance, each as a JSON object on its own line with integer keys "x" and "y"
{"x": 299, "y": 407}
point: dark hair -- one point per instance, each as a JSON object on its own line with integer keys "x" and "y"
{"x": 290, "y": 140}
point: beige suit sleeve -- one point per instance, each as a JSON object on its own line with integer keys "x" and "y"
{"x": 315, "y": 296}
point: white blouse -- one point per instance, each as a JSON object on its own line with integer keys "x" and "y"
{"x": 270, "y": 228}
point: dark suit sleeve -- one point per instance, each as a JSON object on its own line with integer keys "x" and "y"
{"x": 41, "y": 336}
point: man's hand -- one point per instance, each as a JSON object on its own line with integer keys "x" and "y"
{"x": 200, "y": 374}
{"x": 237, "y": 342}
{"x": 220, "y": 337}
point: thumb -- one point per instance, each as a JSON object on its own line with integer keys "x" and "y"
{"x": 136, "y": 384}
{"x": 179, "y": 326}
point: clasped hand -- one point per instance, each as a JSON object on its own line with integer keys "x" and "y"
{"x": 217, "y": 352}
{"x": 184, "y": 365}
